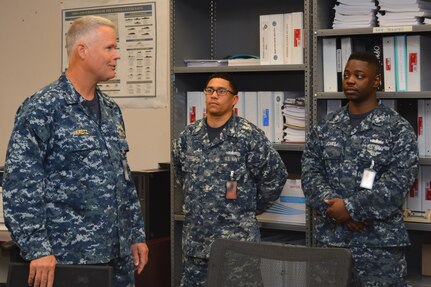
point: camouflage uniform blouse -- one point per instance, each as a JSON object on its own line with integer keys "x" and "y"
{"x": 333, "y": 161}
{"x": 66, "y": 189}
{"x": 203, "y": 167}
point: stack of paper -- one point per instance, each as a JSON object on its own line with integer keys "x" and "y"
{"x": 403, "y": 12}
{"x": 205, "y": 63}
{"x": 294, "y": 121}
{"x": 243, "y": 62}
{"x": 355, "y": 14}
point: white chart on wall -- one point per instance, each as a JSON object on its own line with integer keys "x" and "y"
{"x": 143, "y": 53}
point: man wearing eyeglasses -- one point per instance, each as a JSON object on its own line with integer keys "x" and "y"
{"x": 228, "y": 171}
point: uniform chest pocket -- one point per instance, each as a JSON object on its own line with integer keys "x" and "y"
{"x": 332, "y": 157}
{"x": 375, "y": 151}
{"x": 332, "y": 153}
{"x": 191, "y": 164}
{"x": 78, "y": 148}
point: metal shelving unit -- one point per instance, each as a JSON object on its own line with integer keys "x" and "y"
{"x": 321, "y": 29}
{"x": 213, "y": 29}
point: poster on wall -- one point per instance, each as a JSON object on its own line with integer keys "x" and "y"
{"x": 136, "y": 44}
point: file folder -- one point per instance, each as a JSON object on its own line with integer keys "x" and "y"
{"x": 389, "y": 64}
{"x": 419, "y": 59}
{"x": 276, "y": 51}
{"x": 264, "y": 39}
{"x": 297, "y": 42}
{"x": 329, "y": 65}
{"x": 401, "y": 63}
{"x": 239, "y": 107}
{"x": 250, "y": 107}
{"x": 265, "y": 113}
{"x": 195, "y": 106}
{"x": 421, "y": 126}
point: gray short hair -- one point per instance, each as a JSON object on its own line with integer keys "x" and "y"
{"x": 83, "y": 26}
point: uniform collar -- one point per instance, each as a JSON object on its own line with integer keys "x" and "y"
{"x": 72, "y": 97}
{"x": 230, "y": 129}
{"x": 378, "y": 117}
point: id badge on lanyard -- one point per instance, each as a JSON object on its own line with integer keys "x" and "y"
{"x": 368, "y": 177}
{"x": 231, "y": 187}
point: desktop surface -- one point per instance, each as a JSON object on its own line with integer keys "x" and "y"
{"x": 65, "y": 275}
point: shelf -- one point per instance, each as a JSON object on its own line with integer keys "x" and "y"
{"x": 236, "y": 69}
{"x": 418, "y": 226}
{"x": 271, "y": 224}
{"x": 425, "y": 161}
{"x": 416, "y": 279}
{"x": 290, "y": 147}
{"x": 372, "y": 30}
{"x": 381, "y": 95}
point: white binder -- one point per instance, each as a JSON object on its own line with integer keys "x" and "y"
{"x": 421, "y": 127}
{"x": 401, "y": 63}
{"x": 265, "y": 113}
{"x": 297, "y": 37}
{"x": 195, "y": 106}
{"x": 250, "y": 107}
{"x": 264, "y": 39}
{"x": 329, "y": 65}
{"x": 425, "y": 187}
{"x": 239, "y": 107}
{"x": 276, "y": 51}
{"x": 419, "y": 58}
{"x": 389, "y": 64}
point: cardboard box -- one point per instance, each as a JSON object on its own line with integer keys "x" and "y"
{"x": 426, "y": 259}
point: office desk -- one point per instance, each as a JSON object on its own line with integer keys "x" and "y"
{"x": 157, "y": 272}
{"x": 4, "y": 236}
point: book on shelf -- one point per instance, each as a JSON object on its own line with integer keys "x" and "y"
{"x": 418, "y": 57}
{"x": 195, "y": 106}
{"x": 400, "y": 63}
{"x": 419, "y": 196}
{"x": 239, "y": 108}
{"x": 250, "y": 106}
{"x": 265, "y": 113}
{"x": 293, "y": 38}
{"x": 264, "y": 39}
{"x": 294, "y": 121}
{"x": 205, "y": 62}
{"x": 243, "y": 62}
{"x": 289, "y": 207}
{"x": 424, "y": 127}
{"x": 281, "y": 38}
{"x": 330, "y": 83}
{"x": 389, "y": 63}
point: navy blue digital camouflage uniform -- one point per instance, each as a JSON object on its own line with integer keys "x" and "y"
{"x": 335, "y": 157}
{"x": 203, "y": 168}
{"x": 67, "y": 188}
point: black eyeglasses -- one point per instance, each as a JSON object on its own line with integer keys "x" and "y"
{"x": 219, "y": 91}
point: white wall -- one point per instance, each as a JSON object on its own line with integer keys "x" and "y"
{"x": 30, "y": 58}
